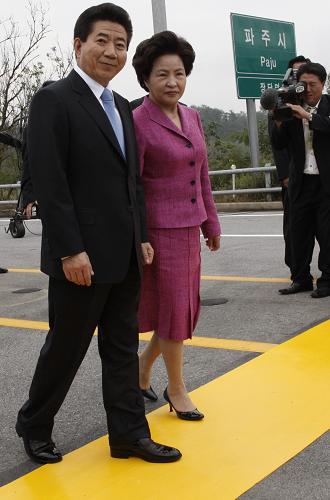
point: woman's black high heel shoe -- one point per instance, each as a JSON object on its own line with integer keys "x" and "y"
{"x": 184, "y": 415}
{"x": 149, "y": 394}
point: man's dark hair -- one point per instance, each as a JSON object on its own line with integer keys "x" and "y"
{"x": 313, "y": 69}
{"x": 163, "y": 43}
{"x": 298, "y": 59}
{"x": 103, "y": 12}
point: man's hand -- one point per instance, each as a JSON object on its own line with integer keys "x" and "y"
{"x": 213, "y": 243}
{"x": 285, "y": 182}
{"x": 147, "y": 253}
{"x": 78, "y": 269}
{"x": 299, "y": 111}
{"x": 28, "y": 209}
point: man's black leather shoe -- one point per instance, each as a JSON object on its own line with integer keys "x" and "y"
{"x": 146, "y": 449}
{"x": 319, "y": 293}
{"x": 42, "y": 452}
{"x": 296, "y": 288}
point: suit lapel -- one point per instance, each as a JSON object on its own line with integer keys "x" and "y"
{"x": 89, "y": 102}
{"x": 158, "y": 116}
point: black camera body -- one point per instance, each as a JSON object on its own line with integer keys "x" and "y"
{"x": 291, "y": 92}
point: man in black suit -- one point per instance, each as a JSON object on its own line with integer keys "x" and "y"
{"x": 28, "y": 197}
{"x": 9, "y": 140}
{"x": 85, "y": 174}
{"x": 27, "y": 192}
{"x": 282, "y": 162}
{"x": 307, "y": 136}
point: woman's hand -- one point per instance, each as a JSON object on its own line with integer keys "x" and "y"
{"x": 147, "y": 253}
{"x": 213, "y": 243}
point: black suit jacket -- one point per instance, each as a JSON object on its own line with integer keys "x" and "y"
{"x": 281, "y": 156}
{"x": 90, "y": 198}
{"x": 291, "y": 135}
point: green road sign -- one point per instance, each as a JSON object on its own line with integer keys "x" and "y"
{"x": 262, "y": 49}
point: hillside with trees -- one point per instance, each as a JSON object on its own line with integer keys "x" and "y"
{"x": 227, "y": 139}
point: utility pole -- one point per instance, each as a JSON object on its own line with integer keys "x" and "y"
{"x": 159, "y": 15}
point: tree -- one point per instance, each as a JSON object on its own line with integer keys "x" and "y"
{"x": 61, "y": 63}
{"x": 21, "y": 73}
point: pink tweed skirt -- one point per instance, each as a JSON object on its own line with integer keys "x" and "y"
{"x": 170, "y": 301}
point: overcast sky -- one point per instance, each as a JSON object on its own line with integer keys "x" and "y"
{"x": 206, "y": 25}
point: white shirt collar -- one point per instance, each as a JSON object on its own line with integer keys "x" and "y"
{"x": 95, "y": 87}
{"x": 312, "y": 107}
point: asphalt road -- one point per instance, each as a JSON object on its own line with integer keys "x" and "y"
{"x": 252, "y": 247}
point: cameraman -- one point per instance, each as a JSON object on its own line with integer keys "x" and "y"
{"x": 282, "y": 161}
{"x": 307, "y": 137}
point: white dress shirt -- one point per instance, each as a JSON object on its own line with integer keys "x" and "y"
{"x": 95, "y": 87}
{"x": 310, "y": 160}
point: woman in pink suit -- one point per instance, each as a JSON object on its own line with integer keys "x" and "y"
{"x": 179, "y": 203}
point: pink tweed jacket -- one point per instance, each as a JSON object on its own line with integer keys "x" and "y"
{"x": 174, "y": 170}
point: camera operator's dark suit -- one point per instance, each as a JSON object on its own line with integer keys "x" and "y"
{"x": 282, "y": 162}
{"x": 90, "y": 199}
{"x": 309, "y": 194}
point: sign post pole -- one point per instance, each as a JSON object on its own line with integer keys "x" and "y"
{"x": 253, "y": 132}
{"x": 262, "y": 49}
{"x": 159, "y": 15}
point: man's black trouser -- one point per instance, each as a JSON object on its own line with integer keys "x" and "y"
{"x": 310, "y": 219}
{"x": 286, "y": 227}
{"x": 74, "y": 313}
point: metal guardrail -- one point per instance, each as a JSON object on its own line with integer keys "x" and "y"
{"x": 267, "y": 169}
{"x": 233, "y": 171}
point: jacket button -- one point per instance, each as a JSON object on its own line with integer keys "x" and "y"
{"x": 192, "y": 163}
{"x": 193, "y": 200}
{"x": 192, "y": 183}
{"x": 189, "y": 145}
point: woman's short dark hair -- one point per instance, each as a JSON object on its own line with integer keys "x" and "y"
{"x": 165, "y": 42}
{"x": 313, "y": 69}
{"x": 103, "y": 12}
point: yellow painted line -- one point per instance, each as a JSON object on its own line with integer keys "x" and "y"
{"x": 208, "y": 342}
{"x": 22, "y": 270}
{"x": 258, "y": 417}
{"x": 215, "y": 343}
{"x": 252, "y": 279}
{"x": 24, "y": 323}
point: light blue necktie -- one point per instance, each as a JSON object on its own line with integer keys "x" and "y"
{"x": 109, "y": 107}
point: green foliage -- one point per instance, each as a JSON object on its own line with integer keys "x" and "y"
{"x": 9, "y": 162}
{"x": 227, "y": 141}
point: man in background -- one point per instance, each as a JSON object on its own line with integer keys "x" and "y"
{"x": 307, "y": 136}
{"x": 282, "y": 163}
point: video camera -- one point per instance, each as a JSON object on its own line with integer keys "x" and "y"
{"x": 291, "y": 92}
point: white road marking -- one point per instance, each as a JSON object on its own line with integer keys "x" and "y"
{"x": 225, "y": 215}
